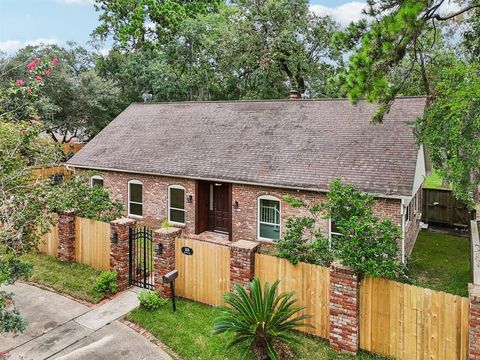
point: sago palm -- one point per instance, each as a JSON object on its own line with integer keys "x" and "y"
{"x": 261, "y": 321}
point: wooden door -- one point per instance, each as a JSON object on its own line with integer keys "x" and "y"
{"x": 221, "y": 208}
{"x": 202, "y": 207}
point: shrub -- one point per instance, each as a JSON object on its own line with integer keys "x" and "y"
{"x": 262, "y": 321}
{"x": 91, "y": 202}
{"x": 368, "y": 244}
{"x": 107, "y": 283}
{"x": 151, "y": 300}
{"x": 303, "y": 242}
{"x": 165, "y": 224}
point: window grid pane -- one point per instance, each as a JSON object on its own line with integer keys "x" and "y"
{"x": 270, "y": 212}
{"x": 136, "y": 193}
{"x": 177, "y": 216}
{"x": 269, "y": 219}
{"x": 97, "y": 182}
{"x": 268, "y": 231}
{"x": 136, "y": 209}
{"x": 177, "y": 198}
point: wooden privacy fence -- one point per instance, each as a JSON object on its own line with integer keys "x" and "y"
{"x": 204, "y": 275}
{"x": 441, "y": 207}
{"x": 310, "y": 283}
{"x": 408, "y": 322}
{"x": 92, "y": 243}
{"x": 49, "y": 242}
{"x": 43, "y": 173}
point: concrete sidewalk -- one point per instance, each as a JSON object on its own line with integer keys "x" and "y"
{"x": 61, "y": 328}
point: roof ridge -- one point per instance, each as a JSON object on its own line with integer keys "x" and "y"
{"x": 260, "y": 101}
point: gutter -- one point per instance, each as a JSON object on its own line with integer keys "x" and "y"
{"x": 69, "y": 166}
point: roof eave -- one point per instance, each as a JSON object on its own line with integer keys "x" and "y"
{"x": 378, "y": 195}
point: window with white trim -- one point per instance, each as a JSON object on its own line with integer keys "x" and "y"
{"x": 96, "y": 180}
{"x": 135, "y": 198}
{"x": 269, "y": 216}
{"x": 333, "y": 231}
{"x": 176, "y": 204}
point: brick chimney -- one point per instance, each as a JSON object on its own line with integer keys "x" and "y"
{"x": 294, "y": 95}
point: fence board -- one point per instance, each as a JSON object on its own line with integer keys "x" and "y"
{"x": 43, "y": 173}
{"x": 92, "y": 243}
{"x": 310, "y": 283}
{"x": 49, "y": 242}
{"x": 203, "y": 276}
{"x": 408, "y": 322}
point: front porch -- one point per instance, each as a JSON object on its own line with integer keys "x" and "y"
{"x": 211, "y": 237}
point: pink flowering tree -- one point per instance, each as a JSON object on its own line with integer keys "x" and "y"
{"x": 17, "y": 99}
{"x": 24, "y": 203}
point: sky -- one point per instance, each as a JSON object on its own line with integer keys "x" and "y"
{"x": 31, "y": 22}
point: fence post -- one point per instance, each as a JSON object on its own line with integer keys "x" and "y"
{"x": 344, "y": 314}
{"x": 242, "y": 263}
{"x": 164, "y": 241}
{"x": 66, "y": 236}
{"x": 119, "y": 248}
{"x": 474, "y": 322}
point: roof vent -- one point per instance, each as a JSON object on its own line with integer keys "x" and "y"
{"x": 147, "y": 97}
{"x": 294, "y": 95}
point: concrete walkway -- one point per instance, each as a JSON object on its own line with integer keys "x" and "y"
{"x": 60, "y": 328}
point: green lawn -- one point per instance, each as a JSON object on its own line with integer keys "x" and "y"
{"x": 188, "y": 332}
{"x": 73, "y": 279}
{"x": 434, "y": 181}
{"x": 441, "y": 262}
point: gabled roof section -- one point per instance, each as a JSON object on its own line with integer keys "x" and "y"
{"x": 301, "y": 144}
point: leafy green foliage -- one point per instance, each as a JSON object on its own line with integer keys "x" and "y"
{"x": 450, "y": 129}
{"x": 92, "y": 202}
{"x": 10, "y": 318}
{"x": 151, "y": 300}
{"x": 107, "y": 283}
{"x": 369, "y": 244}
{"x": 24, "y": 204}
{"x": 75, "y": 101}
{"x": 303, "y": 240}
{"x": 240, "y": 50}
{"x": 262, "y": 320}
{"x": 142, "y": 23}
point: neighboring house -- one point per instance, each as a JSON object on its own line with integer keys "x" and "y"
{"x": 225, "y": 166}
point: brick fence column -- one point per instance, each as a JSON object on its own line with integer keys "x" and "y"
{"x": 165, "y": 262}
{"x": 474, "y": 322}
{"x": 119, "y": 243}
{"x": 66, "y": 236}
{"x": 242, "y": 263}
{"x": 344, "y": 309}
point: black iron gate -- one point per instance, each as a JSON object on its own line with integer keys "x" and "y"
{"x": 141, "y": 260}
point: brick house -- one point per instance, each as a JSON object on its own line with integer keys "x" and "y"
{"x": 224, "y": 167}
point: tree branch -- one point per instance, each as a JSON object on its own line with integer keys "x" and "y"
{"x": 459, "y": 12}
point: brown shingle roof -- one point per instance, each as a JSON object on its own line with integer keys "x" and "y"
{"x": 301, "y": 144}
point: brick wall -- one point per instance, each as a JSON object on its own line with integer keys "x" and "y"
{"x": 155, "y": 196}
{"x": 119, "y": 249}
{"x": 66, "y": 236}
{"x": 242, "y": 263}
{"x": 244, "y": 219}
{"x": 344, "y": 309}
{"x": 474, "y": 322}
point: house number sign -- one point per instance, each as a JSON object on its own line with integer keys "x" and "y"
{"x": 187, "y": 251}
